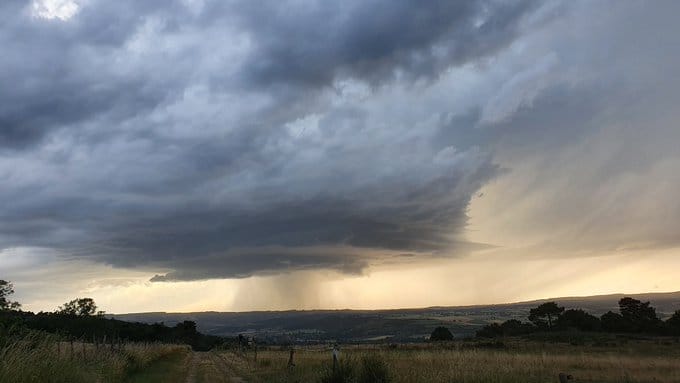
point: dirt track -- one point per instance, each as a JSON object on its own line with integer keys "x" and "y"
{"x": 210, "y": 367}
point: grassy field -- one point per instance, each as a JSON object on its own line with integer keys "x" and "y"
{"x": 37, "y": 357}
{"x": 514, "y": 361}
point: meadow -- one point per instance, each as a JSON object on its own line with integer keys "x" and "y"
{"x": 38, "y": 357}
{"x": 512, "y": 361}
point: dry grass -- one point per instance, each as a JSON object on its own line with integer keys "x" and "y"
{"x": 528, "y": 363}
{"x": 40, "y": 358}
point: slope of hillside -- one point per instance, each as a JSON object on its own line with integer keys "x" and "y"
{"x": 401, "y": 325}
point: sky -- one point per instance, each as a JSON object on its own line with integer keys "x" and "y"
{"x": 191, "y": 155}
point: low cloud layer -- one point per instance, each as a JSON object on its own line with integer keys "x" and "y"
{"x": 210, "y": 139}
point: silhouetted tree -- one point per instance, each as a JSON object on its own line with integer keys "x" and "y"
{"x": 79, "y": 307}
{"x": 639, "y": 316}
{"x": 492, "y": 330}
{"x": 186, "y": 331}
{"x": 511, "y": 327}
{"x": 7, "y": 289}
{"x": 613, "y": 322}
{"x": 673, "y": 323}
{"x": 514, "y": 327}
{"x": 548, "y": 310}
{"x": 441, "y": 334}
{"x": 578, "y": 319}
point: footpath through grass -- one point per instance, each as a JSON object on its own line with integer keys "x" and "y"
{"x": 171, "y": 368}
{"x": 36, "y": 357}
{"x": 188, "y": 367}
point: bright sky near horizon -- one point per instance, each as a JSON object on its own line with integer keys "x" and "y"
{"x": 191, "y": 155}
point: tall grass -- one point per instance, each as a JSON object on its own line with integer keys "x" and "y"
{"x": 532, "y": 362}
{"x": 37, "y": 357}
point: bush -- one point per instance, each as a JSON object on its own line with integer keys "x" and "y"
{"x": 579, "y": 320}
{"x": 441, "y": 334}
{"x": 492, "y": 330}
{"x": 613, "y": 322}
{"x": 374, "y": 370}
{"x": 510, "y": 327}
{"x": 514, "y": 327}
{"x": 673, "y": 323}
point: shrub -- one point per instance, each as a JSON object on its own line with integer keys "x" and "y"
{"x": 580, "y": 320}
{"x": 490, "y": 331}
{"x": 673, "y": 323}
{"x": 441, "y": 334}
{"x": 514, "y": 327}
{"x": 374, "y": 370}
{"x": 510, "y": 327}
{"x": 614, "y": 322}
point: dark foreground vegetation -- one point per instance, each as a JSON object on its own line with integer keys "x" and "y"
{"x": 29, "y": 356}
{"x": 77, "y": 343}
{"x": 100, "y": 330}
{"x": 79, "y": 320}
{"x": 634, "y": 317}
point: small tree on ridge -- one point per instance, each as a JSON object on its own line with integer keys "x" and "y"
{"x": 441, "y": 334}
{"x": 81, "y": 307}
{"x": 549, "y": 311}
{"x": 7, "y": 289}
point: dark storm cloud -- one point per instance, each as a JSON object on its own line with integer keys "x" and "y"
{"x": 263, "y": 261}
{"x": 374, "y": 39}
{"x": 209, "y": 139}
{"x": 58, "y": 74}
{"x": 202, "y": 137}
{"x": 66, "y": 73}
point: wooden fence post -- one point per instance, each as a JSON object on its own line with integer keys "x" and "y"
{"x": 291, "y": 363}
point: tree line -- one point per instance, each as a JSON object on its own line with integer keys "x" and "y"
{"x": 81, "y": 319}
{"x": 634, "y": 316}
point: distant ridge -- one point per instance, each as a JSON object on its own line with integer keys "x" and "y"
{"x": 400, "y": 325}
{"x": 663, "y": 296}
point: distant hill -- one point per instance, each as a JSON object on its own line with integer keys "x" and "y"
{"x": 402, "y": 325}
{"x": 666, "y": 303}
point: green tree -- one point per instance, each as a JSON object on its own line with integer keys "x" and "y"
{"x": 7, "y": 289}
{"x": 441, "y": 334}
{"x": 81, "y": 307}
{"x": 548, "y": 310}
